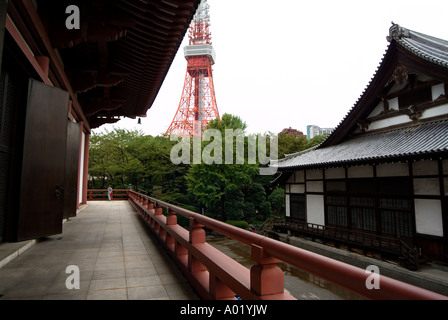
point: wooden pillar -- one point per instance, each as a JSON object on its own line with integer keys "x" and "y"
{"x": 3, "y": 13}
{"x": 86, "y": 168}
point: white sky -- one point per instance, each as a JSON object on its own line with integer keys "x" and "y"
{"x": 291, "y": 63}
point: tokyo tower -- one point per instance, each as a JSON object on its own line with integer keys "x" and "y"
{"x": 197, "y": 106}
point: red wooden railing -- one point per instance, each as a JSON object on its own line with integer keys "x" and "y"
{"x": 361, "y": 239}
{"x": 101, "y": 194}
{"x": 216, "y": 276}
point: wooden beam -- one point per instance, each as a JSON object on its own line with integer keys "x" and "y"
{"x": 3, "y": 13}
{"x": 84, "y": 82}
{"x": 43, "y": 74}
{"x": 37, "y": 23}
{"x": 93, "y": 107}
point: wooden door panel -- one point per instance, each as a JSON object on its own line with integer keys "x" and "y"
{"x": 43, "y": 167}
{"x": 71, "y": 169}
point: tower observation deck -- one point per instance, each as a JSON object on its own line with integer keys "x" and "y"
{"x": 197, "y": 106}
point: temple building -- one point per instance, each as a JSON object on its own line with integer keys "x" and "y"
{"x": 380, "y": 179}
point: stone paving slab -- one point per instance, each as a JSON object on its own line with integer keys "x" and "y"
{"x": 116, "y": 255}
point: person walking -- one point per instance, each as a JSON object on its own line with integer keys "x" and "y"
{"x": 109, "y": 192}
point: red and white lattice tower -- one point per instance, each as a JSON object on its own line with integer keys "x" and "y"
{"x": 197, "y": 106}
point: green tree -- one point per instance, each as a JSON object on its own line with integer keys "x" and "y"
{"x": 109, "y": 163}
{"x": 227, "y": 121}
{"x": 256, "y": 196}
{"x": 123, "y": 157}
{"x": 233, "y": 204}
{"x": 218, "y": 187}
{"x": 277, "y": 200}
{"x": 290, "y": 143}
{"x": 316, "y": 141}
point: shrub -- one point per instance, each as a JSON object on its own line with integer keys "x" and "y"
{"x": 238, "y": 223}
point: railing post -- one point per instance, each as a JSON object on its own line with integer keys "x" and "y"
{"x": 171, "y": 217}
{"x": 197, "y": 236}
{"x": 158, "y": 210}
{"x": 266, "y": 278}
{"x": 197, "y": 233}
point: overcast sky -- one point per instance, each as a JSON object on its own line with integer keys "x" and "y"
{"x": 291, "y": 63}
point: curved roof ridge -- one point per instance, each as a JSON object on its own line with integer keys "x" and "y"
{"x": 426, "y": 47}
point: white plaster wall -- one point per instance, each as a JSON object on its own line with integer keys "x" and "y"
{"x": 297, "y": 188}
{"x": 315, "y": 209}
{"x": 378, "y": 109}
{"x": 435, "y": 111}
{"x": 384, "y": 123}
{"x": 360, "y": 172}
{"x": 314, "y": 174}
{"x": 287, "y": 208}
{"x": 335, "y": 173}
{"x": 427, "y": 186}
{"x": 425, "y": 167}
{"x": 393, "y": 104}
{"x": 314, "y": 186}
{"x": 437, "y": 90}
{"x": 392, "y": 170}
{"x": 428, "y": 217}
{"x": 299, "y": 176}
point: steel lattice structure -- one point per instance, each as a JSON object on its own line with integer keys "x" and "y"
{"x": 197, "y": 106}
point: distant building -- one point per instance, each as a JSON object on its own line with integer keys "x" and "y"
{"x": 312, "y": 131}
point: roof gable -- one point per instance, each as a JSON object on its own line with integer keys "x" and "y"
{"x": 410, "y": 56}
{"x": 402, "y": 113}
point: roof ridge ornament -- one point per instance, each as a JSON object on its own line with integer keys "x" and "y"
{"x": 396, "y": 32}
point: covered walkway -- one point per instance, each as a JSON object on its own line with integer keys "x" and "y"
{"x": 116, "y": 254}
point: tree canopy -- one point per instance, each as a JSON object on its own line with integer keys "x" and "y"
{"x": 225, "y": 190}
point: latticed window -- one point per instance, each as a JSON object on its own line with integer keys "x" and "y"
{"x": 363, "y": 213}
{"x": 379, "y": 205}
{"x": 337, "y": 210}
{"x": 396, "y": 218}
{"x": 298, "y": 206}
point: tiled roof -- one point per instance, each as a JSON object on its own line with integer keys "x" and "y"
{"x": 417, "y": 140}
{"x": 426, "y": 47}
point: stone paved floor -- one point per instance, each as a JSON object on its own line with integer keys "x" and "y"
{"x": 116, "y": 255}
